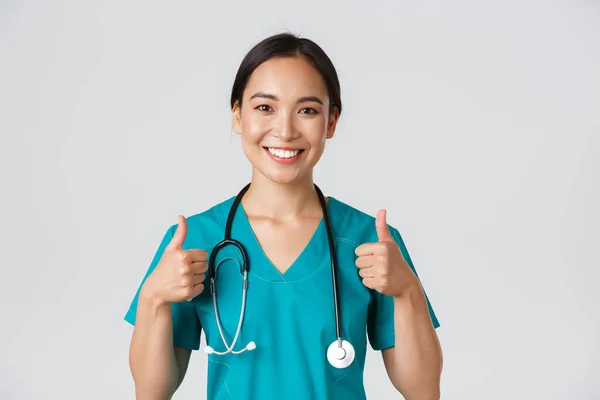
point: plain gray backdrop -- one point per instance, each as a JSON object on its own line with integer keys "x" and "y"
{"x": 476, "y": 124}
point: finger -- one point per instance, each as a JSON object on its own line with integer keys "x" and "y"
{"x": 197, "y": 279}
{"x": 369, "y": 282}
{"x": 199, "y": 267}
{"x": 372, "y": 249}
{"x": 367, "y": 272}
{"x": 366, "y": 249}
{"x": 179, "y": 236}
{"x": 365, "y": 261}
{"x": 383, "y": 230}
{"x": 196, "y": 290}
{"x": 196, "y": 255}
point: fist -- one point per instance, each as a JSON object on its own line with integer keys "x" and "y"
{"x": 381, "y": 264}
{"x": 179, "y": 275}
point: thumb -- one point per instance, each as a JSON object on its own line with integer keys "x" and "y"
{"x": 179, "y": 235}
{"x": 383, "y": 231}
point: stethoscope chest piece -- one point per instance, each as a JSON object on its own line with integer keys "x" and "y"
{"x": 340, "y": 357}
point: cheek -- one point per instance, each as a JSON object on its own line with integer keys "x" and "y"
{"x": 254, "y": 128}
{"x": 317, "y": 137}
{"x": 315, "y": 130}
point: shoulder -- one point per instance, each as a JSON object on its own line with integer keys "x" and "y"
{"x": 213, "y": 216}
{"x": 206, "y": 228}
{"x": 356, "y": 225}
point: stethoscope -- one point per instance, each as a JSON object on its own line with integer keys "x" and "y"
{"x": 340, "y": 353}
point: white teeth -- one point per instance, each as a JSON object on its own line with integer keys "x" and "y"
{"x": 283, "y": 153}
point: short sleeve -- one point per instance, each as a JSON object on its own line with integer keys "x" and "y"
{"x": 380, "y": 327}
{"x": 186, "y": 324}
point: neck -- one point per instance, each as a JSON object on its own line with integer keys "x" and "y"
{"x": 281, "y": 201}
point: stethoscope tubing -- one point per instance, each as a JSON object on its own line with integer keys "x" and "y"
{"x": 338, "y": 324}
{"x": 336, "y": 347}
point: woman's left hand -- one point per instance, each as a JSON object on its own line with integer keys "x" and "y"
{"x": 381, "y": 264}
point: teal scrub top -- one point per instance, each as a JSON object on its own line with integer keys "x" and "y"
{"x": 289, "y": 316}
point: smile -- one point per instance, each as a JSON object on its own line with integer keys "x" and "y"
{"x": 284, "y": 155}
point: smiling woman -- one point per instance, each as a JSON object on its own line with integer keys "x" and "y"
{"x": 310, "y": 278}
{"x": 290, "y": 96}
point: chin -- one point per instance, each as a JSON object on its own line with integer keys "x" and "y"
{"x": 281, "y": 177}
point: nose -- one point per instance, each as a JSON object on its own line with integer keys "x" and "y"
{"x": 286, "y": 129}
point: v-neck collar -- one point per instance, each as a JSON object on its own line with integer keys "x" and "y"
{"x": 313, "y": 255}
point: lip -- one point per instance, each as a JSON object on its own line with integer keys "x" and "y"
{"x": 283, "y": 160}
{"x": 282, "y": 148}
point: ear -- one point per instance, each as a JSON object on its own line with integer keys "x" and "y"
{"x": 332, "y": 123}
{"x": 236, "y": 118}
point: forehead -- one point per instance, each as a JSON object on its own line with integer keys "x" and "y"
{"x": 286, "y": 77}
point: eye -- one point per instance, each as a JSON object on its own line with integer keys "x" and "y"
{"x": 263, "y": 107}
{"x": 309, "y": 110}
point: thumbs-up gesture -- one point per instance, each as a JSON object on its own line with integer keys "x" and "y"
{"x": 179, "y": 274}
{"x": 381, "y": 264}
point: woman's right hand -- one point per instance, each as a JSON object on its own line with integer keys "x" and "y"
{"x": 179, "y": 274}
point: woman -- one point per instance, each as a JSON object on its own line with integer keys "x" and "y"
{"x": 285, "y": 105}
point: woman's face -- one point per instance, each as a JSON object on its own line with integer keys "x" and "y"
{"x": 284, "y": 119}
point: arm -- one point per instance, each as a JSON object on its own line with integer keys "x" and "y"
{"x": 157, "y": 367}
{"x": 166, "y": 327}
{"x": 401, "y": 321}
{"x": 414, "y": 364}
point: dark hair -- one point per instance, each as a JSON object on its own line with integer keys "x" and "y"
{"x": 288, "y": 45}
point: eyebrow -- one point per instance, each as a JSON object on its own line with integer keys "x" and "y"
{"x": 304, "y": 99}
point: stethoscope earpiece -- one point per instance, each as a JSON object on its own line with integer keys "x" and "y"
{"x": 249, "y": 347}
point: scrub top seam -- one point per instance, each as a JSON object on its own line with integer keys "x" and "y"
{"x": 355, "y": 366}
{"x": 219, "y": 362}
{"x": 347, "y": 241}
{"x": 336, "y": 236}
{"x": 295, "y": 281}
{"x": 227, "y": 388}
{"x": 342, "y": 240}
{"x": 384, "y": 338}
{"x": 225, "y": 382}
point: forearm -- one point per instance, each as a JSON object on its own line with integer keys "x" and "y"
{"x": 152, "y": 357}
{"x": 417, "y": 352}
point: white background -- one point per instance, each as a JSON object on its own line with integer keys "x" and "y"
{"x": 476, "y": 124}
